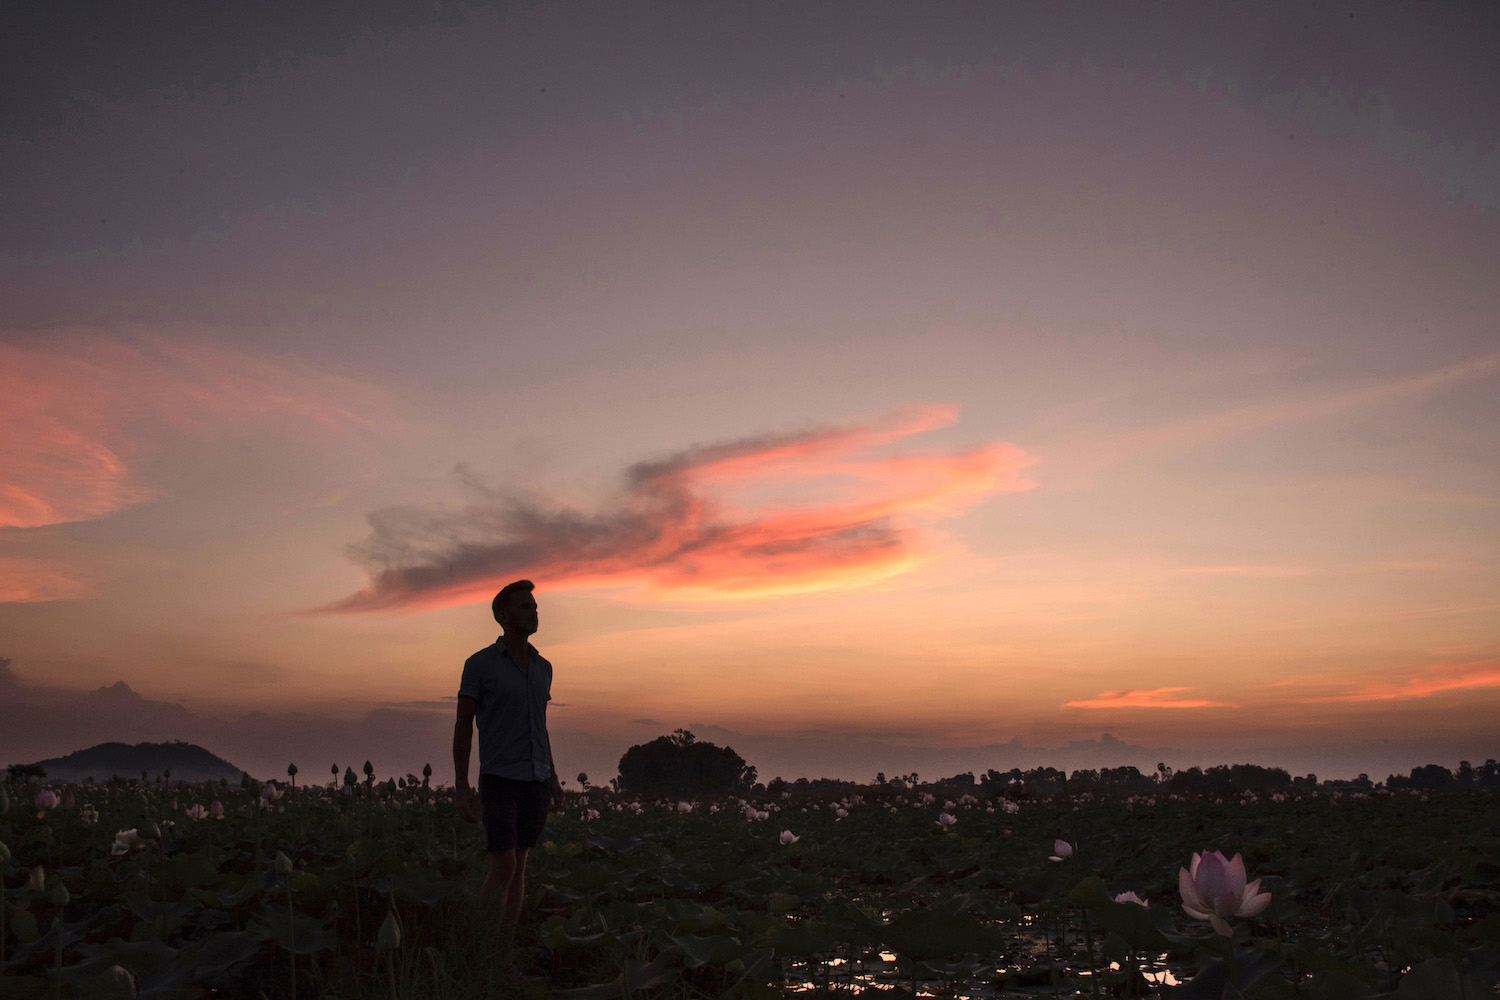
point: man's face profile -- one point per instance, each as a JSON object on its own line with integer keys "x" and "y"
{"x": 520, "y": 615}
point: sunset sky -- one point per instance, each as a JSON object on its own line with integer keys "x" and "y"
{"x": 867, "y": 386}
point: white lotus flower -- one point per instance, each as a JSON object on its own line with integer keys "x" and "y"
{"x": 127, "y": 841}
{"x": 788, "y": 838}
{"x": 1062, "y": 850}
{"x": 1214, "y": 889}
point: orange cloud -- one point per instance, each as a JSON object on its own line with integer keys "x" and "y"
{"x": 1434, "y": 679}
{"x": 699, "y": 524}
{"x": 82, "y": 410}
{"x": 1149, "y": 698}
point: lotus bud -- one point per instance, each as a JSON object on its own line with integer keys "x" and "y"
{"x": 390, "y": 933}
{"x": 149, "y": 830}
{"x": 283, "y": 864}
{"x": 216, "y": 809}
{"x": 4, "y": 853}
{"x": 115, "y": 983}
{"x": 36, "y": 880}
{"x": 58, "y": 895}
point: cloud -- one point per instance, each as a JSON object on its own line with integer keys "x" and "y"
{"x": 1438, "y": 678}
{"x": 85, "y": 414}
{"x": 1164, "y": 697}
{"x": 773, "y": 514}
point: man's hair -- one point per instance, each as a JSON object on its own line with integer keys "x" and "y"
{"x": 507, "y": 592}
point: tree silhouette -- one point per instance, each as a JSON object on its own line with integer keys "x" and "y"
{"x": 682, "y": 766}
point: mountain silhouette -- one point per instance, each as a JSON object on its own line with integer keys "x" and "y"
{"x": 186, "y": 762}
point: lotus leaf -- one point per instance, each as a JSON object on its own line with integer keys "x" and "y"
{"x": 924, "y": 934}
{"x": 709, "y": 949}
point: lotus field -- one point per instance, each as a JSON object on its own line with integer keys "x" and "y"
{"x": 367, "y": 889}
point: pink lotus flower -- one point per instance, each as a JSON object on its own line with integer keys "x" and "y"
{"x": 1214, "y": 889}
{"x": 788, "y": 838}
{"x": 270, "y": 793}
{"x": 1130, "y": 897}
{"x": 946, "y": 820}
{"x": 684, "y": 807}
{"x": 1062, "y": 850}
{"x": 196, "y": 811}
{"x": 46, "y": 799}
{"x": 216, "y": 810}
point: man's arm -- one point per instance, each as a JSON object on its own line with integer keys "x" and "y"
{"x": 463, "y": 742}
{"x": 556, "y": 781}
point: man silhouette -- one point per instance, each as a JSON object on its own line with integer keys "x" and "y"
{"x": 506, "y": 687}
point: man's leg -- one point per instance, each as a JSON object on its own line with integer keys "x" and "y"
{"x": 498, "y": 878}
{"x": 515, "y": 890}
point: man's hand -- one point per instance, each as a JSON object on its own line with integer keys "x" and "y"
{"x": 465, "y": 796}
{"x": 556, "y": 788}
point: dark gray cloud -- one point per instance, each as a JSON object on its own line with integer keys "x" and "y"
{"x": 667, "y": 530}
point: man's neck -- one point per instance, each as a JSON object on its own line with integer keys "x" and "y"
{"x": 518, "y": 646}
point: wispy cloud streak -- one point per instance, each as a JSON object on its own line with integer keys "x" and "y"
{"x": 676, "y": 529}
{"x": 1093, "y": 453}
{"x": 1163, "y": 697}
{"x": 1438, "y": 678}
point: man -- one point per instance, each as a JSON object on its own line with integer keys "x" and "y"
{"x": 506, "y": 687}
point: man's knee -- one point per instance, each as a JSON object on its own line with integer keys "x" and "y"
{"x": 503, "y": 865}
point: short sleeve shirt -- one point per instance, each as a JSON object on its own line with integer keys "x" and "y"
{"x": 511, "y": 712}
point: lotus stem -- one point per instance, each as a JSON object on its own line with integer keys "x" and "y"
{"x": 291, "y": 935}
{"x": 1088, "y": 942}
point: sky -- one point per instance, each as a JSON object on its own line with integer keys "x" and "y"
{"x": 867, "y": 386}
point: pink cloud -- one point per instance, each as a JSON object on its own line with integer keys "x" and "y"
{"x": 85, "y": 414}
{"x": 683, "y": 526}
{"x": 1163, "y": 697}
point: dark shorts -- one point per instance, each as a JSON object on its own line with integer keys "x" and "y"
{"x": 514, "y": 811}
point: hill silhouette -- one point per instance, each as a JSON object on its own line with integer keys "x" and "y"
{"x": 186, "y": 762}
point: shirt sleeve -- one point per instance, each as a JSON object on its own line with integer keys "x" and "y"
{"x": 468, "y": 685}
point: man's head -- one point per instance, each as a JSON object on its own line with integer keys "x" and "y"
{"x": 515, "y": 608}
